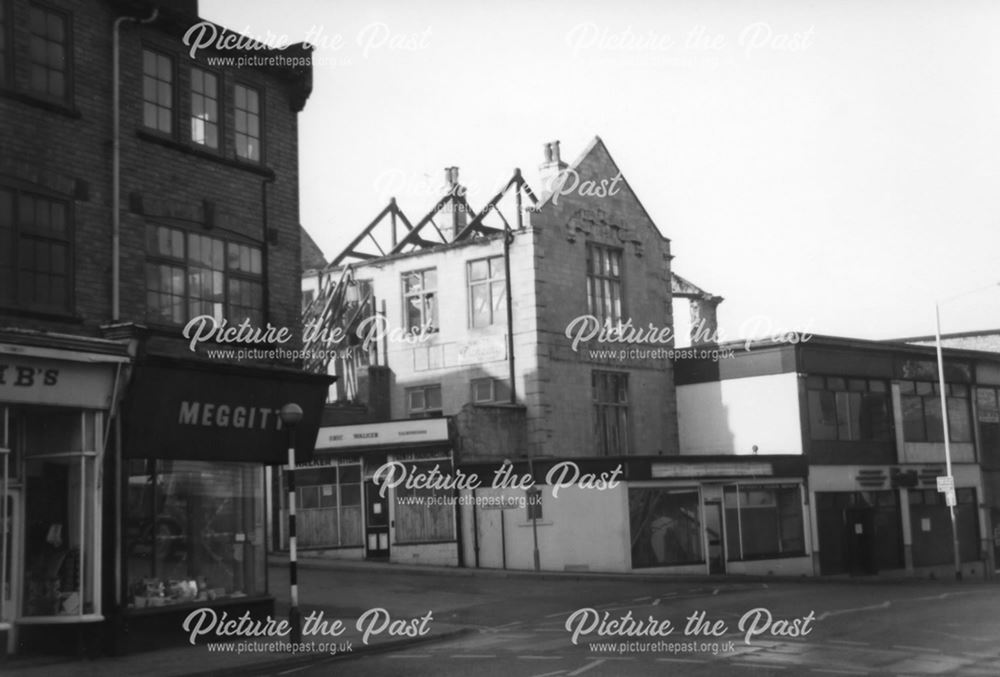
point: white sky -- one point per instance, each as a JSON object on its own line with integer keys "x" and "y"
{"x": 838, "y": 188}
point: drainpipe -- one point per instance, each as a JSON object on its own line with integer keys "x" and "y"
{"x": 265, "y": 250}
{"x": 116, "y": 161}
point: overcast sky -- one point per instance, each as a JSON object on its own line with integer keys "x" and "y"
{"x": 828, "y": 166}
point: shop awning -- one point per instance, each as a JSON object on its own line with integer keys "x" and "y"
{"x": 177, "y": 409}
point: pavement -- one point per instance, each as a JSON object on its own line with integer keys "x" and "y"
{"x": 442, "y": 621}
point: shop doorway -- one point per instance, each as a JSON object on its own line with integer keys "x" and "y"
{"x": 716, "y": 540}
{"x": 376, "y": 523}
{"x": 9, "y": 559}
{"x": 860, "y": 540}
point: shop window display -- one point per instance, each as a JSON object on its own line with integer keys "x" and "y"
{"x": 61, "y": 534}
{"x": 194, "y": 532}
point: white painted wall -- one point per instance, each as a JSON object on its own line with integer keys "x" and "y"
{"x": 565, "y": 541}
{"x": 733, "y": 415}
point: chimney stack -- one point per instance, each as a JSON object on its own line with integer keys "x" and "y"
{"x": 452, "y": 217}
{"x": 705, "y": 319}
{"x": 552, "y": 171}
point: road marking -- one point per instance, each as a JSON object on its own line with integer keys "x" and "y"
{"x": 848, "y": 642}
{"x": 834, "y": 671}
{"x": 762, "y": 666}
{"x": 655, "y": 602}
{"x": 507, "y": 625}
{"x": 409, "y": 655}
{"x": 550, "y": 674}
{"x": 542, "y": 658}
{"x": 560, "y": 613}
{"x": 288, "y": 672}
{"x": 907, "y": 647}
{"x": 590, "y": 666}
{"x": 641, "y": 599}
{"x": 473, "y": 655}
{"x": 827, "y": 614}
{"x": 680, "y": 660}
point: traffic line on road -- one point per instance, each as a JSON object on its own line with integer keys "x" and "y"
{"x": 837, "y": 671}
{"x": 507, "y": 625}
{"x": 847, "y": 642}
{"x": 874, "y": 607}
{"x": 907, "y": 647}
{"x": 409, "y": 655}
{"x": 680, "y": 660}
{"x": 641, "y": 599}
{"x": 473, "y": 655}
{"x": 589, "y": 666}
{"x": 542, "y": 658}
{"x": 761, "y": 666}
{"x": 550, "y": 674}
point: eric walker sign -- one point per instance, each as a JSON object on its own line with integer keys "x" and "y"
{"x": 220, "y": 413}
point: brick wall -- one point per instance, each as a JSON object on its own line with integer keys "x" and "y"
{"x": 59, "y": 148}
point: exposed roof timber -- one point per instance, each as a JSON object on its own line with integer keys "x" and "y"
{"x": 684, "y": 289}
{"x": 476, "y": 224}
{"x": 413, "y": 235}
{"x": 350, "y": 251}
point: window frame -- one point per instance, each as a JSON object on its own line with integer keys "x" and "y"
{"x": 496, "y": 389}
{"x": 260, "y": 123}
{"x": 933, "y": 398}
{"x": 487, "y": 282}
{"x": 17, "y": 233}
{"x": 68, "y": 46}
{"x": 425, "y": 328}
{"x": 838, "y": 406}
{"x": 7, "y": 69}
{"x": 739, "y": 489}
{"x": 219, "y": 108}
{"x": 185, "y": 262}
{"x": 601, "y": 409}
{"x": 425, "y": 411}
{"x": 174, "y": 89}
{"x": 597, "y": 280}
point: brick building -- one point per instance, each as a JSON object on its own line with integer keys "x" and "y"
{"x": 131, "y": 464}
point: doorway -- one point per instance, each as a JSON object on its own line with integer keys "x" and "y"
{"x": 715, "y": 537}
{"x": 376, "y": 523}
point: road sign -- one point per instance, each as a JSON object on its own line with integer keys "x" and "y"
{"x": 949, "y": 498}
{"x": 946, "y": 483}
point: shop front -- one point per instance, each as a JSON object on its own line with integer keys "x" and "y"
{"x": 193, "y": 515}
{"x": 354, "y": 500}
{"x": 886, "y": 519}
{"x": 55, "y": 405}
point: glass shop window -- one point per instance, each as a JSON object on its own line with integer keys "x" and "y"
{"x": 62, "y": 502}
{"x": 194, "y": 531}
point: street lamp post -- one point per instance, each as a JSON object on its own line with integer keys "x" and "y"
{"x": 291, "y": 415}
{"x": 950, "y": 494}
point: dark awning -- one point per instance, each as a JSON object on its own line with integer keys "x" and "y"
{"x": 177, "y": 409}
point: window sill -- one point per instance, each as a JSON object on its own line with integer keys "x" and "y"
{"x": 760, "y": 558}
{"x": 40, "y": 313}
{"x": 41, "y": 102}
{"x": 195, "y": 150}
{"x": 196, "y": 604}
{"x": 60, "y": 620}
{"x": 412, "y": 543}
